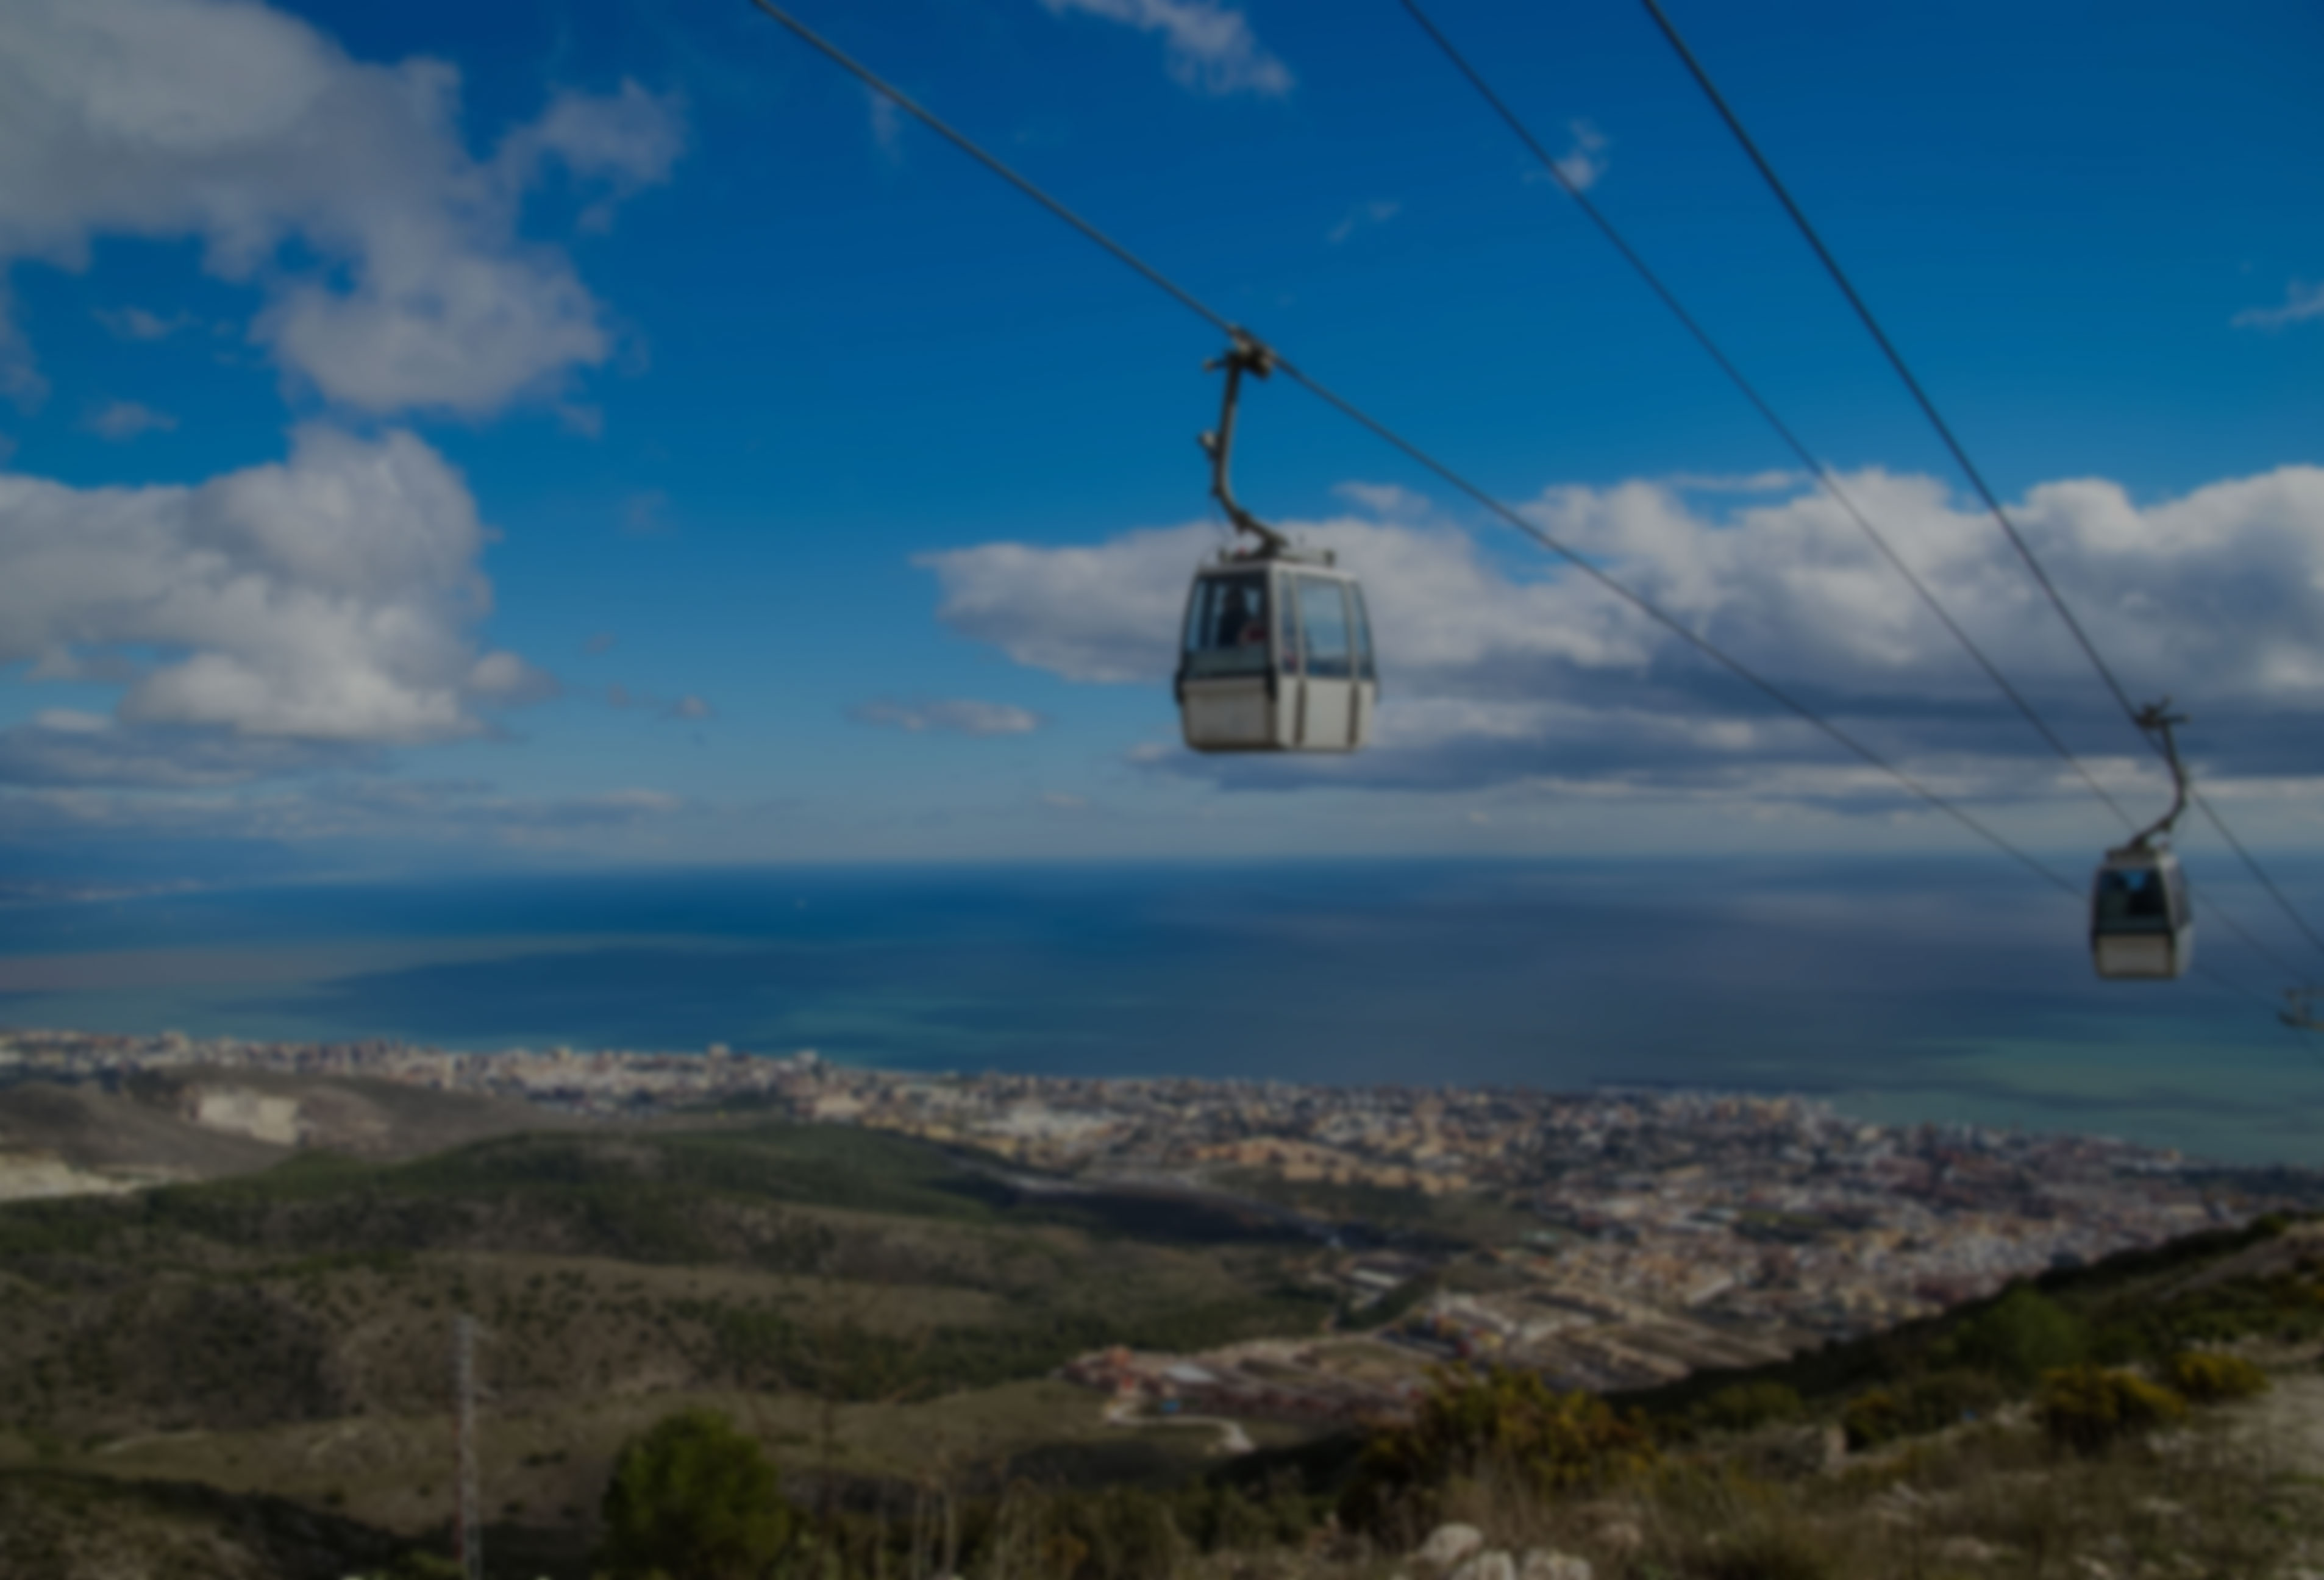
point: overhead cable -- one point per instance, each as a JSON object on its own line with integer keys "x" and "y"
{"x": 2252, "y": 867}
{"x": 1428, "y": 461}
{"x": 1936, "y": 420}
{"x": 1759, "y": 403}
{"x": 1895, "y": 358}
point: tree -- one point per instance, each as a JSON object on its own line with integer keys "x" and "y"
{"x": 693, "y": 1499}
{"x": 2018, "y": 1338}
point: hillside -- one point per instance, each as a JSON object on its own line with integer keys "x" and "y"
{"x": 882, "y": 1306}
{"x": 193, "y": 1123}
{"x": 264, "y": 1358}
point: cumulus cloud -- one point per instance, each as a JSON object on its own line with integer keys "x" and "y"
{"x": 248, "y": 129}
{"x": 959, "y": 716}
{"x": 326, "y": 602}
{"x": 1210, "y": 48}
{"x": 125, "y": 419}
{"x": 1501, "y": 665}
{"x": 2300, "y": 302}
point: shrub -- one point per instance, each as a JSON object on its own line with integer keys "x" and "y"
{"x": 693, "y": 1497}
{"x": 1113, "y": 1533}
{"x": 2087, "y": 1408}
{"x": 1501, "y": 1424}
{"x": 1741, "y": 1406}
{"x": 1769, "y": 1553}
{"x": 2213, "y": 1379}
{"x": 1872, "y": 1418}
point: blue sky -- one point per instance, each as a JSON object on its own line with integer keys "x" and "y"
{"x": 468, "y": 435}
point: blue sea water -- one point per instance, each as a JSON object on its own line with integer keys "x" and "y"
{"x": 1902, "y": 991}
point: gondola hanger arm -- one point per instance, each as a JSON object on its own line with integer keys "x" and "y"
{"x": 1246, "y": 355}
{"x": 2157, "y": 719}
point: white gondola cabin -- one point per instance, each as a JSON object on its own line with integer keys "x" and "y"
{"x": 1276, "y": 651}
{"x": 1278, "y": 657}
{"x": 2142, "y": 919}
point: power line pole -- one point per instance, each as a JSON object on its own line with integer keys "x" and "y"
{"x": 468, "y": 1536}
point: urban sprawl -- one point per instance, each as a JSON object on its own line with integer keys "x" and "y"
{"x": 1612, "y": 1238}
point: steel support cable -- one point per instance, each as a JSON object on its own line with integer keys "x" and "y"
{"x": 2252, "y": 867}
{"x": 921, "y": 114}
{"x": 1888, "y": 349}
{"x": 1412, "y": 451}
{"x": 1936, "y": 420}
{"x": 2226, "y": 919}
{"x": 1749, "y": 392}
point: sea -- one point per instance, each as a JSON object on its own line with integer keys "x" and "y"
{"x": 1901, "y": 990}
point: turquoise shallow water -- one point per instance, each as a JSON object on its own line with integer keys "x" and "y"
{"x": 1904, "y": 990}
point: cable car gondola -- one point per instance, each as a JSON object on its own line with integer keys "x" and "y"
{"x": 1277, "y": 650}
{"x": 2142, "y": 919}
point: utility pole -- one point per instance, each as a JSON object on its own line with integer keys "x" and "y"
{"x": 468, "y": 1535}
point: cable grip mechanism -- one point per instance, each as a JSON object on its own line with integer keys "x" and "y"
{"x": 1246, "y": 354}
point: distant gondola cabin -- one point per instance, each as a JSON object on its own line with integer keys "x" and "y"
{"x": 2142, "y": 919}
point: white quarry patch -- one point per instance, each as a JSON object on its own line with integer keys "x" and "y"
{"x": 28, "y": 1176}
{"x": 242, "y": 1111}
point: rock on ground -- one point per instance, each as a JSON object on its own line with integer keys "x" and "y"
{"x": 1447, "y": 1544}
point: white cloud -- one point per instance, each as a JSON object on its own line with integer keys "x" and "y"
{"x": 65, "y": 748}
{"x": 1773, "y": 480}
{"x": 1209, "y": 47}
{"x": 138, "y": 324}
{"x": 2300, "y": 302}
{"x": 1108, "y": 614}
{"x": 1378, "y": 212}
{"x": 247, "y": 128}
{"x": 1503, "y": 664}
{"x": 328, "y": 601}
{"x": 1585, "y": 160}
{"x": 21, "y": 384}
{"x": 1583, "y": 163}
{"x": 630, "y": 138}
{"x": 125, "y": 419}
{"x": 960, "y": 716}
{"x": 504, "y": 680}
{"x": 112, "y": 811}
{"x": 689, "y": 707}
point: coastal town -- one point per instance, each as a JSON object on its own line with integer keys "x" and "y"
{"x": 1609, "y": 1239}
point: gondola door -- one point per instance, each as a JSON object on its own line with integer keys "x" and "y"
{"x": 1327, "y": 712}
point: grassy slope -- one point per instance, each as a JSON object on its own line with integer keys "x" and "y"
{"x": 286, "y": 1330}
